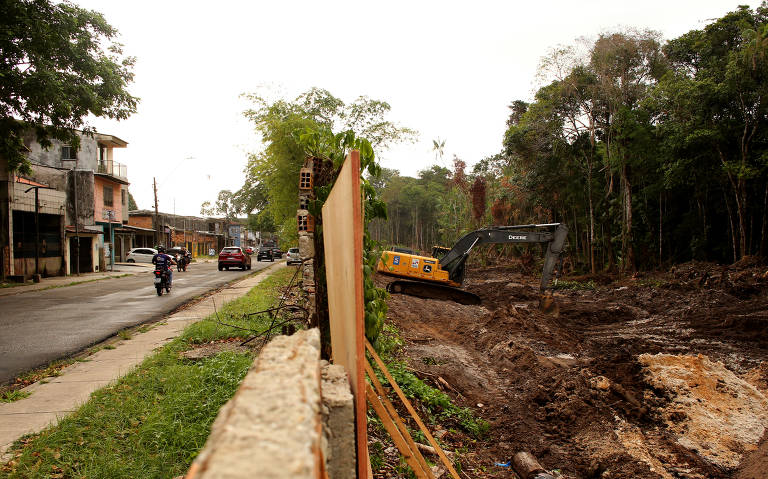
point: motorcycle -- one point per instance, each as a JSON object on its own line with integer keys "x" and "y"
{"x": 162, "y": 281}
{"x": 182, "y": 260}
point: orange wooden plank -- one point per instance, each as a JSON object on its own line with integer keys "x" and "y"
{"x": 394, "y": 433}
{"x": 412, "y": 411}
{"x": 397, "y": 420}
{"x": 343, "y": 241}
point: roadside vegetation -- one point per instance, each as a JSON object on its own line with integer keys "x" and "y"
{"x": 436, "y": 409}
{"x": 153, "y": 421}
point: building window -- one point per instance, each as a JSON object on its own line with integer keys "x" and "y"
{"x": 68, "y": 153}
{"x": 108, "y": 196}
{"x": 123, "y": 196}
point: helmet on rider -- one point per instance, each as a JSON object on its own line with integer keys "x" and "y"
{"x": 161, "y": 249}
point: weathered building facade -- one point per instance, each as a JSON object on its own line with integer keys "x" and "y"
{"x": 59, "y": 219}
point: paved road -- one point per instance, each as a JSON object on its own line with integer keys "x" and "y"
{"x": 41, "y": 326}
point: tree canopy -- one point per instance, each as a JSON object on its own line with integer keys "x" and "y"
{"x": 271, "y": 184}
{"x": 58, "y": 64}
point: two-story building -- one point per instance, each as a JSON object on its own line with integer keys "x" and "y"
{"x": 61, "y": 218}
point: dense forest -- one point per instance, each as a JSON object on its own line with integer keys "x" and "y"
{"x": 653, "y": 152}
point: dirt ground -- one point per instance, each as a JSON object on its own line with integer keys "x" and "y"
{"x": 655, "y": 376}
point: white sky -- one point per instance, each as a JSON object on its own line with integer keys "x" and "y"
{"x": 448, "y": 69}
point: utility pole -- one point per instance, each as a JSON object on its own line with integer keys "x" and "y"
{"x": 157, "y": 218}
{"x": 77, "y": 230}
{"x": 37, "y": 230}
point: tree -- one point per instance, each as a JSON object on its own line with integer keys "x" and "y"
{"x": 272, "y": 174}
{"x": 59, "y": 64}
{"x": 224, "y": 206}
{"x": 626, "y": 66}
{"x": 132, "y": 206}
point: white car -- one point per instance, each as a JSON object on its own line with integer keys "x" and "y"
{"x": 293, "y": 256}
{"x": 140, "y": 255}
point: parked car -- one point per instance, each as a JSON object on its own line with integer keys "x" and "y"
{"x": 234, "y": 257}
{"x": 265, "y": 254}
{"x": 140, "y": 255}
{"x": 292, "y": 256}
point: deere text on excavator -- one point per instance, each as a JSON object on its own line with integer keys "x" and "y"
{"x": 440, "y": 275}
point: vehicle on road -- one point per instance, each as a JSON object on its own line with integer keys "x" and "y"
{"x": 162, "y": 281}
{"x": 277, "y": 252}
{"x": 181, "y": 256}
{"x": 234, "y": 257}
{"x": 265, "y": 254}
{"x": 249, "y": 250}
{"x": 140, "y": 255}
{"x": 293, "y": 256}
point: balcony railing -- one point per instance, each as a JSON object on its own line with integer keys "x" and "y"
{"x": 114, "y": 169}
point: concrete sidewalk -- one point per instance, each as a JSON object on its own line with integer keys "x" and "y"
{"x": 65, "y": 393}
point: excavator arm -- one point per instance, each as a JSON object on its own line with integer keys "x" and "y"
{"x": 454, "y": 261}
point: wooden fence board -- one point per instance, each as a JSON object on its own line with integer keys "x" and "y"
{"x": 343, "y": 241}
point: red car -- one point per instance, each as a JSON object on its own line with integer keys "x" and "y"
{"x": 233, "y": 256}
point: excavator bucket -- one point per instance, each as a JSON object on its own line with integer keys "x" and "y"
{"x": 548, "y": 305}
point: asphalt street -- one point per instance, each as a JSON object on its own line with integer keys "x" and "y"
{"x": 37, "y": 327}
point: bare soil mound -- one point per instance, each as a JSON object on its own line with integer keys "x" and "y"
{"x": 655, "y": 376}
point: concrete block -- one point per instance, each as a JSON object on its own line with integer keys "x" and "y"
{"x": 272, "y": 427}
{"x": 306, "y": 245}
{"x": 338, "y": 422}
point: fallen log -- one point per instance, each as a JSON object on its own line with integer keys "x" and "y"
{"x": 527, "y": 467}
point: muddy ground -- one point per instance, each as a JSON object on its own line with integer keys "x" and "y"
{"x": 655, "y": 376}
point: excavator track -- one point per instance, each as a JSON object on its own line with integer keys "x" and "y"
{"x": 432, "y": 291}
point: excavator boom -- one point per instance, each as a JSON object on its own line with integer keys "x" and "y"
{"x": 438, "y": 278}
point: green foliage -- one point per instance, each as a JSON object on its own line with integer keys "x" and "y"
{"x": 60, "y": 64}
{"x": 334, "y": 147}
{"x": 271, "y": 184}
{"x": 575, "y": 285}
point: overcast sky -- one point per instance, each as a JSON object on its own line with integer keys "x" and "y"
{"x": 448, "y": 69}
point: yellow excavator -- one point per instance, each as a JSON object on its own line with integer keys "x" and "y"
{"x": 439, "y": 276}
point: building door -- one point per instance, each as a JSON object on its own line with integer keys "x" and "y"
{"x": 86, "y": 261}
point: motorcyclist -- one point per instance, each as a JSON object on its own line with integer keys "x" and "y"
{"x": 163, "y": 262}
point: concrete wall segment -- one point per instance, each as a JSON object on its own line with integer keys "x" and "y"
{"x": 272, "y": 424}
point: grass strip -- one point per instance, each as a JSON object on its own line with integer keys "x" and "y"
{"x": 152, "y": 422}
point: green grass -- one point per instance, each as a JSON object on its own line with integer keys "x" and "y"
{"x": 576, "y": 285}
{"x": 124, "y": 334}
{"x": 152, "y": 422}
{"x": 11, "y": 396}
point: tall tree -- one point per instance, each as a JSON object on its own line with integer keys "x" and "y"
{"x": 272, "y": 173}
{"x": 626, "y": 65}
{"x": 58, "y": 64}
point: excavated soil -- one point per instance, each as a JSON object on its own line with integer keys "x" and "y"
{"x": 656, "y": 376}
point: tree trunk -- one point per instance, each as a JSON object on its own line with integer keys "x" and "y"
{"x": 661, "y": 226}
{"x": 764, "y": 229}
{"x": 591, "y": 220}
{"x": 730, "y": 222}
{"x": 628, "y": 240}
